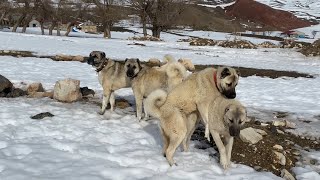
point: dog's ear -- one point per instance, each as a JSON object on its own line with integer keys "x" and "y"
{"x": 103, "y": 55}
{"x": 139, "y": 64}
{"x": 126, "y": 60}
{"x": 90, "y": 54}
{"x": 238, "y": 72}
{"x": 224, "y": 73}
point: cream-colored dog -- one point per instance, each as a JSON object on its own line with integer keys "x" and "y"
{"x": 182, "y": 103}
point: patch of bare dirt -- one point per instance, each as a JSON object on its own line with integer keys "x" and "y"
{"x": 261, "y": 13}
{"x": 261, "y": 156}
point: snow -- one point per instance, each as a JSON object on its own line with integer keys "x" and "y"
{"x": 77, "y": 143}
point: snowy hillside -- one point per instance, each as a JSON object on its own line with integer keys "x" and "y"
{"x": 309, "y": 9}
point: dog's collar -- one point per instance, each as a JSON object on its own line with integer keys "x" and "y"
{"x": 215, "y": 78}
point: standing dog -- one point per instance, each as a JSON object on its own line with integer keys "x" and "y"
{"x": 226, "y": 118}
{"x": 113, "y": 75}
{"x": 181, "y": 105}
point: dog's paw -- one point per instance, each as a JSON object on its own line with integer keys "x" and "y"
{"x": 224, "y": 163}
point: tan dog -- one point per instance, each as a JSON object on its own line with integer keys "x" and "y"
{"x": 150, "y": 79}
{"x": 113, "y": 75}
{"x": 187, "y": 63}
{"x": 184, "y": 101}
{"x": 226, "y": 118}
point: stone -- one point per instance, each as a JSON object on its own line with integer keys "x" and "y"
{"x": 278, "y": 147}
{"x": 16, "y": 92}
{"x": 35, "y": 87}
{"x": 296, "y": 152}
{"x": 67, "y": 90}
{"x": 5, "y": 85}
{"x": 279, "y": 131}
{"x": 286, "y": 175}
{"x": 250, "y": 135}
{"x": 290, "y": 124}
{"x": 42, "y": 115}
{"x": 41, "y": 95}
{"x": 85, "y": 91}
{"x": 78, "y": 58}
{"x": 62, "y": 57}
{"x": 278, "y": 123}
{"x": 280, "y": 158}
{"x": 264, "y": 124}
{"x": 260, "y": 131}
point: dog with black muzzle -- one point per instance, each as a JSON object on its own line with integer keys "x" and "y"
{"x": 181, "y": 108}
{"x": 113, "y": 75}
{"x": 226, "y": 118}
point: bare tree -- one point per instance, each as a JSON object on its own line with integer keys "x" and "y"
{"x": 4, "y": 9}
{"x": 79, "y": 9}
{"x": 22, "y": 7}
{"x": 162, "y": 13}
{"x": 107, "y": 13}
{"x": 142, "y": 7}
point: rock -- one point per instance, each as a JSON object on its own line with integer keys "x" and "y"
{"x": 273, "y": 129}
{"x": 202, "y": 42}
{"x": 35, "y": 87}
{"x": 236, "y": 43}
{"x": 42, "y": 115}
{"x": 257, "y": 123}
{"x": 264, "y": 124}
{"x": 5, "y": 85}
{"x": 250, "y": 135}
{"x": 257, "y": 168}
{"x": 78, "y": 58}
{"x": 313, "y": 161}
{"x": 267, "y": 44}
{"x": 67, "y": 90}
{"x": 280, "y": 158}
{"x": 41, "y": 95}
{"x": 278, "y": 147}
{"x": 286, "y": 175}
{"x": 278, "y": 123}
{"x": 62, "y": 57}
{"x": 260, "y": 131}
{"x": 16, "y": 92}
{"x": 279, "y": 131}
{"x": 296, "y": 152}
{"x": 290, "y": 124}
{"x": 85, "y": 91}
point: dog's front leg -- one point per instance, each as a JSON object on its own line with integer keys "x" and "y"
{"x": 229, "y": 141}
{"x": 221, "y": 148}
{"x": 105, "y": 101}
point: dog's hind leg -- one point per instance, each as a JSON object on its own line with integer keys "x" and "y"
{"x": 165, "y": 141}
{"x": 192, "y": 121}
{"x": 221, "y": 148}
{"x": 229, "y": 141}
{"x": 177, "y": 132}
{"x": 203, "y": 109}
{"x": 105, "y": 101}
{"x": 112, "y": 101}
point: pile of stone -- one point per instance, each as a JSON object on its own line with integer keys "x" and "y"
{"x": 312, "y": 50}
{"x": 289, "y": 43}
{"x": 144, "y": 38}
{"x": 267, "y": 44}
{"x": 240, "y": 44}
{"x": 202, "y": 42}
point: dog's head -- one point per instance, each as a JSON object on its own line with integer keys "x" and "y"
{"x": 187, "y": 63}
{"x": 227, "y": 79}
{"x": 96, "y": 58}
{"x": 234, "y": 118}
{"x": 132, "y": 67}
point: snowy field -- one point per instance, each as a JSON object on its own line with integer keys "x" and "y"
{"x": 77, "y": 143}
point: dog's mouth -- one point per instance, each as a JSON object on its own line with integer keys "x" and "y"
{"x": 234, "y": 131}
{"x": 230, "y": 94}
{"x": 130, "y": 74}
{"x": 91, "y": 61}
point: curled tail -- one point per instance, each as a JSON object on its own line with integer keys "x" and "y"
{"x": 168, "y": 58}
{"x": 154, "y": 101}
{"x": 176, "y": 70}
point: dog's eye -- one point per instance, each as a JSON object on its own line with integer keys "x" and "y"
{"x": 134, "y": 67}
{"x": 128, "y": 65}
{"x": 231, "y": 120}
{"x": 229, "y": 84}
{"x": 240, "y": 122}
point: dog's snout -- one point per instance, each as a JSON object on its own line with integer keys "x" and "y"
{"x": 90, "y": 60}
{"x": 234, "y": 131}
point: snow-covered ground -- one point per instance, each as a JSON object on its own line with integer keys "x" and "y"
{"x": 77, "y": 143}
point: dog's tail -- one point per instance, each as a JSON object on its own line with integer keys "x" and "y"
{"x": 154, "y": 101}
{"x": 176, "y": 70}
{"x": 168, "y": 58}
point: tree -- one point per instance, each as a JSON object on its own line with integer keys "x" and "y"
{"x": 141, "y": 7}
{"x": 4, "y": 9}
{"x": 22, "y": 8}
{"x": 162, "y": 13}
{"x": 107, "y": 12}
